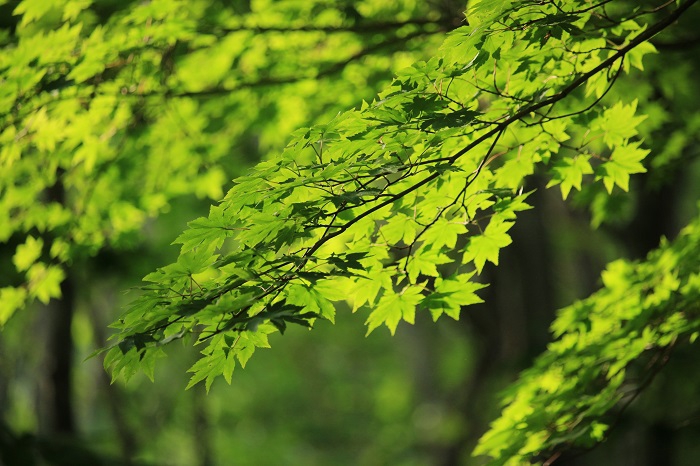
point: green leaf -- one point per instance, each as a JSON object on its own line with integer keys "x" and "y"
{"x": 311, "y": 298}
{"x": 12, "y": 299}
{"x": 249, "y": 341}
{"x": 399, "y": 228}
{"x": 424, "y": 262}
{"x": 451, "y": 294}
{"x": 637, "y": 54}
{"x": 214, "y": 362}
{"x": 262, "y": 227}
{"x": 444, "y": 233}
{"x": 393, "y": 307}
{"x": 363, "y": 291}
{"x": 569, "y": 172}
{"x": 203, "y": 231}
{"x": 27, "y": 253}
{"x": 619, "y": 123}
{"x": 32, "y": 10}
{"x": 208, "y": 368}
{"x": 624, "y": 161}
{"x": 45, "y": 282}
{"x": 454, "y": 119}
{"x": 485, "y": 247}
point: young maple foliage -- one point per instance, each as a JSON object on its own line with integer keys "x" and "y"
{"x": 111, "y": 110}
{"x": 644, "y": 310}
{"x": 395, "y": 208}
{"x": 404, "y": 198}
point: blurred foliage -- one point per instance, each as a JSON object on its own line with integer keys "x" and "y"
{"x": 642, "y": 312}
{"x": 120, "y": 121}
{"x": 112, "y": 109}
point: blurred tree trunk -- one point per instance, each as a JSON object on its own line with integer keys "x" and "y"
{"x": 60, "y": 361}
{"x": 112, "y": 393}
{"x": 202, "y": 431}
{"x": 57, "y": 390}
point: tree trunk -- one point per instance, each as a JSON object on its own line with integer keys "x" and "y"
{"x": 57, "y": 402}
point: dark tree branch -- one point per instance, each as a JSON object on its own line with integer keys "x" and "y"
{"x": 524, "y": 112}
{"x": 239, "y": 320}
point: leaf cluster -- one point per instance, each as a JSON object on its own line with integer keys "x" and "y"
{"x": 608, "y": 348}
{"x": 400, "y": 202}
{"x": 107, "y": 116}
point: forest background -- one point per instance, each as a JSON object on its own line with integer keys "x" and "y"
{"x": 120, "y": 122}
